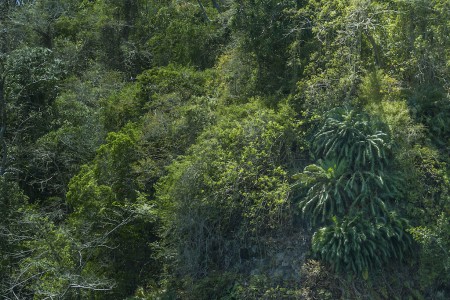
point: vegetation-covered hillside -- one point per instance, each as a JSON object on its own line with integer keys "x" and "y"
{"x": 224, "y": 149}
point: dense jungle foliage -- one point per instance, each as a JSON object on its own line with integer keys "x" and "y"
{"x": 224, "y": 149}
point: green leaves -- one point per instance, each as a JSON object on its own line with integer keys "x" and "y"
{"x": 357, "y": 244}
{"x": 230, "y": 190}
{"x": 31, "y": 75}
{"x": 182, "y": 35}
{"x": 144, "y": 170}
{"x": 351, "y": 136}
{"x": 324, "y": 195}
{"x": 266, "y": 29}
{"x": 111, "y": 216}
{"x": 353, "y": 176}
{"x": 354, "y": 188}
{"x": 12, "y": 201}
{"x": 435, "y": 252}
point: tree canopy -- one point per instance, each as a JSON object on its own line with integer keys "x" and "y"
{"x": 224, "y": 149}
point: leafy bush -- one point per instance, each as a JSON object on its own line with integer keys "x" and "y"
{"x": 357, "y": 245}
{"x": 230, "y": 190}
{"x": 435, "y": 254}
{"x": 354, "y": 189}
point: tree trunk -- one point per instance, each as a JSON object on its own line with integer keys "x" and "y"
{"x": 4, "y": 151}
{"x": 375, "y": 48}
{"x": 203, "y": 10}
{"x": 216, "y": 5}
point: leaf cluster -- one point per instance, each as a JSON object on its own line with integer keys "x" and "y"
{"x": 355, "y": 188}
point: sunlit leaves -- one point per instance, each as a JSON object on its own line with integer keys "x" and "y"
{"x": 110, "y": 215}
{"x": 230, "y": 190}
